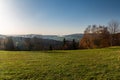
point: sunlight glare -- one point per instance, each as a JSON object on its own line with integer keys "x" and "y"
{"x": 7, "y": 24}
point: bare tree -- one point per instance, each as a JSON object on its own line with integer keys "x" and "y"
{"x": 88, "y": 30}
{"x": 113, "y": 28}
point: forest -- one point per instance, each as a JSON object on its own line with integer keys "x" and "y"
{"x": 95, "y": 36}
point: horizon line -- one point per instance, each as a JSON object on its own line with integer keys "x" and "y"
{"x": 39, "y": 34}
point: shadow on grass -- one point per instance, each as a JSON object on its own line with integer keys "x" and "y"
{"x": 114, "y": 47}
{"x": 55, "y": 52}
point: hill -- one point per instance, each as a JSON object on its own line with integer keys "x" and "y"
{"x": 70, "y": 37}
{"x": 77, "y": 37}
{"x": 91, "y": 64}
{"x": 38, "y": 42}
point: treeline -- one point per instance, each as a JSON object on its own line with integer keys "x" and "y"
{"x": 101, "y": 36}
{"x": 35, "y": 44}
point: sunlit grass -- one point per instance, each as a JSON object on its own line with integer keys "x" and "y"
{"x": 101, "y": 64}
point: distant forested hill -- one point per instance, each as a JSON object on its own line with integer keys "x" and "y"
{"x": 70, "y": 37}
{"x": 38, "y": 42}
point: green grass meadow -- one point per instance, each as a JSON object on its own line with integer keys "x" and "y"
{"x": 91, "y": 64}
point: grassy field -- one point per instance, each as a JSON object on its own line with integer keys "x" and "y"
{"x": 92, "y": 64}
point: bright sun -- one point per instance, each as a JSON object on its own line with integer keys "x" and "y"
{"x": 7, "y": 24}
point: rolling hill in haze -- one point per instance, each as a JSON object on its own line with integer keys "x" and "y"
{"x": 70, "y": 37}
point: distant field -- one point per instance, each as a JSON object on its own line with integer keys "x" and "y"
{"x": 94, "y": 64}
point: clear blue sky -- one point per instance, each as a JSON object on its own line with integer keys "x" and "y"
{"x": 56, "y": 16}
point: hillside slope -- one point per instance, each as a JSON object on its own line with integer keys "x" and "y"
{"x": 91, "y": 64}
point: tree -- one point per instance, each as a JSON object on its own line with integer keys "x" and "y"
{"x": 86, "y": 41}
{"x": 64, "y": 42}
{"x": 74, "y": 44}
{"x": 87, "y": 30}
{"x": 105, "y": 38}
{"x": 50, "y": 47}
{"x": 113, "y": 27}
{"x": 28, "y": 44}
{"x": 9, "y": 45}
{"x": 95, "y": 37}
